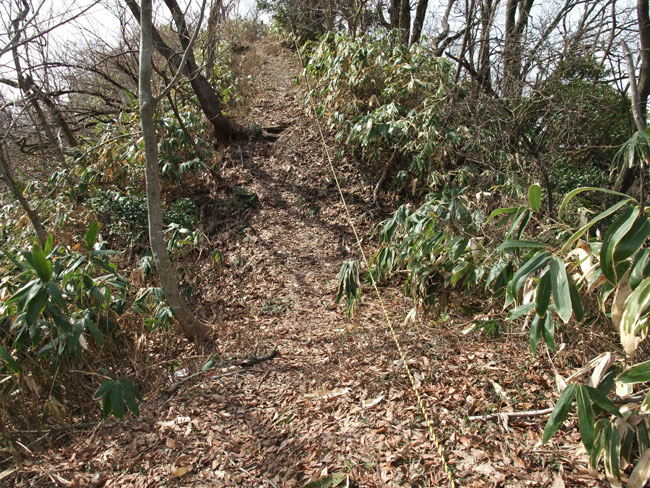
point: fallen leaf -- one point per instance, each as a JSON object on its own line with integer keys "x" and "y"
{"x": 558, "y": 482}
{"x": 373, "y": 402}
{"x": 327, "y": 394}
{"x": 180, "y": 472}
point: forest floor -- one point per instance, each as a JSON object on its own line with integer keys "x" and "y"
{"x": 336, "y": 401}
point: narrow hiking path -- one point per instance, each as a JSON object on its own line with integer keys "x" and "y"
{"x": 336, "y": 399}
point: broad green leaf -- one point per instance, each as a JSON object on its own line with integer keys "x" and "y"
{"x": 521, "y": 310}
{"x": 548, "y": 331}
{"x": 612, "y": 449}
{"x": 533, "y": 264}
{"x": 209, "y": 364}
{"x": 600, "y": 399}
{"x": 559, "y": 412}
{"x": 496, "y": 270}
{"x": 583, "y": 189}
{"x": 627, "y": 440}
{"x": 642, "y": 437}
{"x": 117, "y": 400}
{"x": 517, "y": 244}
{"x": 639, "y": 373}
{"x": 579, "y": 233}
{"x": 519, "y": 225}
{"x": 41, "y": 265}
{"x": 131, "y": 395}
{"x": 501, "y": 211}
{"x": 561, "y": 292}
{"x": 106, "y": 386}
{"x": 637, "y": 305}
{"x": 15, "y": 262}
{"x": 49, "y": 244}
{"x": 535, "y": 197}
{"x": 35, "y": 306}
{"x": 641, "y": 268}
{"x": 59, "y": 318}
{"x": 56, "y": 295}
{"x": 9, "y": 361}
{"x": 535, "y": 326}
{"x": 626, "y": 336}
{"x": 543, "y": 294}
{"x": 615, "y": 233}
{"x": 585, "y": 418}
{"x": 599, "y": 445}
{"x": 576, "y": 301}
{"x": 27, "y": 292}
{"x": 88, "y": 324}
{"x": 633, "y": 239}
{"x": 107, "y": 407}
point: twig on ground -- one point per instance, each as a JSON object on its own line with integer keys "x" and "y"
{"x": 528, "y": 413}
{"x": 546, "y": 411}
{"x": 262, "y": 380}
{"x": 254, "y": 358}
{"x": 249, "y": 361}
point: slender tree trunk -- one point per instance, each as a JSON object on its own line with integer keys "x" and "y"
{"x": 643, "y": 15}
{"x": 190, "y": 324}
{"x": 405, "y": 21}
{"x": 209, "y": 101}
{"x": 34, "y": 218}
{"x": 330, "y": 15}
{"x": 393, "y": 13}
{"x": 31, "y": 97}
{"x": 487, "y": 17}
{"x": 418, "y": 24}
{"x": 627, "y": 174}
{"x": 211, "y": 37}
{"x": 25, "y": 87}
{"x": 54, "y": 110}
{"x": 517, "y": 14}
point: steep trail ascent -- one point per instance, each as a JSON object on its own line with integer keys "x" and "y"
{"x": 336, "y": 400}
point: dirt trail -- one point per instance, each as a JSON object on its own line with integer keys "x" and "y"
{"x": 336, "y": 400}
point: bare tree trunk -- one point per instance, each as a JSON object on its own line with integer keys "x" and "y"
{"x": 393, "y": 13}
{"x": 25, "y": 86}
{"x": 627, "y": 175}
{"x": 190, "y": 324}
{"x": 54, "y": 110}
{"x": 211, "y": 37}
{"x": 380, "y": 15}
{"x": 330, "y": 15}
{"x": 487, "y": 17}
{"x": 643, "y": 16}
{"x": 517, "y": 13}
{"x": 444, "y": 39}
{"x": 418, "y": 24}
{"x": 34, "y": 218}
{"x": 211, "y": 105}
{"x": 405, "y": 21}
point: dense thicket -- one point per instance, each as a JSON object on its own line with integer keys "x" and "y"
{"x": 72, "y": 160}
{"x": 521, "y": 162}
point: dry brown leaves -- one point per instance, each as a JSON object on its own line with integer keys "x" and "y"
{"x": 337, "y": 399}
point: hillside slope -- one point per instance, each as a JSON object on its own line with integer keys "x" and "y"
{"x": 336, "y": 399}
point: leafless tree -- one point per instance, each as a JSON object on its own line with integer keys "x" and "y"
{"x": 225, "y": 129}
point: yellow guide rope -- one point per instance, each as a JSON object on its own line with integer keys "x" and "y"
{"x": 433, "y": 435}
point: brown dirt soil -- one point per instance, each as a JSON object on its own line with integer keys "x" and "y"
{"x": 336, "y": 399}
